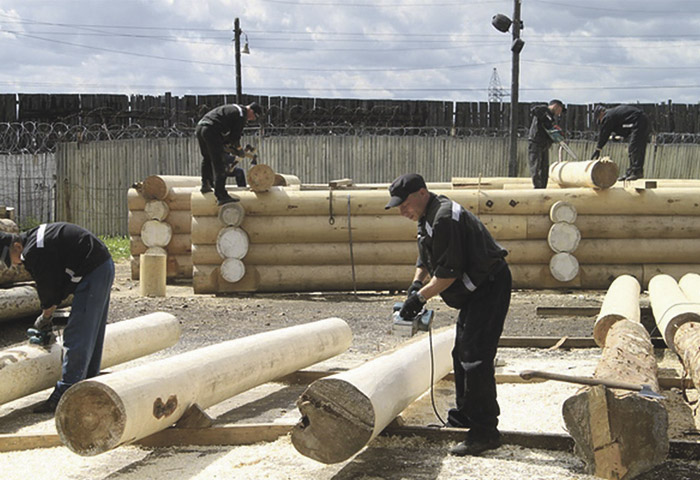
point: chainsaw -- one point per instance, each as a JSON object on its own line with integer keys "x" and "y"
{"x": 556, "y": 135}
{"x": 409, "y": 327}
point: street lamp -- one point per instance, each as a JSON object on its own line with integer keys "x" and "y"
{"x": 502, "y": 23}
{"x": 237, "y": 56}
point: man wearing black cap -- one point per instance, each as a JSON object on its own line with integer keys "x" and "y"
{"x": 539, "y": 141}
{"x": 462, "y": 263}
{"x": 625, "y": 121}
{"x": 219, "y": 127}
{"x": 65, "y": 259}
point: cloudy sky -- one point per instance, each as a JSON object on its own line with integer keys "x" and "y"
{"x": 588, "y": 51}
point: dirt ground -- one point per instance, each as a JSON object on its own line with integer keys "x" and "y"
{"x": 208, "y": 319}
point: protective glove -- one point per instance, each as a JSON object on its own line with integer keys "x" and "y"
{"x": 43, "y": 323}
{"x": 412, "y": 306}
{"x": 249, "y": 148}
{"x": 415, "y": 286}
{"x": 254, "y": 161}
{"x": 596, "y": 154}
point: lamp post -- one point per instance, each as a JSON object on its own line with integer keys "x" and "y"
{"x": 502, "y": 23}
{"x": 237, "y": 56}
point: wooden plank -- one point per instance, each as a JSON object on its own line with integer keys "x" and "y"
{"x": 219, "y": 435}
{"x": 16, "y": 442}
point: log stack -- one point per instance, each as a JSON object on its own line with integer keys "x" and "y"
{"x": 342, "y": 238}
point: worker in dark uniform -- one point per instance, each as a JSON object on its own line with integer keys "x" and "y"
{"x": 539, "y": 141}
{"x": 220, "y": 127}
{"x": 467, "y": 268}
{"x": 65, "y": 259}
{"x": 625, "y": 121}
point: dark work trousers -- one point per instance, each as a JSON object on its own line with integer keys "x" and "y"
{"x": 538, "y": 160}
{"x": 211, "y": 144}
{"x": 479, "y": 328}
{"x": 239, "y": 174}
{"x": 83, "y": 337}
{"x": 638, "y": 144}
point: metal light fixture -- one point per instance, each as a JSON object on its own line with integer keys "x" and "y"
{"x": 246, "y": 50}
{"x": 501, "y": 22}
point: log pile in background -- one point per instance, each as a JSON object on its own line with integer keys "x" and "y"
{"x": 620, "y": 434}
{"x": 299, "y": 239}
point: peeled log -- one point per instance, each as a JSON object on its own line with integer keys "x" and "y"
{"x": 178, "y": 266}
{"x": 231, "y": 214}
{"x": 158, "y": 187}
{"x": 562, "y": 212}
{"x": 156, "y": 210}
{"x": 344, "y": 412}
{"x": 563, "y": 237}
{"x": 155, "y": 233}
{"x": 601, "y": 173}
{"x": 27, "y": 369}
{"x": 179, "y": 220}
{"x": 99, "y": 414}
{"x": 232, "y": 270}
{"x": 180, "y": 244}
{"x": 563, "y": 266}
{"x": 260, "y": 177}
{"x": 286, "y": 180}
{"x": 621, "y": 302}
{"x": 671, "y": 307}
{"x": 232, "y": 242}
{"x": 22, "y": 301}
{"x": 687, "y": 337}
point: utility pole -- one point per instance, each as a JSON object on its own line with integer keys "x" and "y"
{"x": 516, "y": 47}
{"x": 237, "y": 58}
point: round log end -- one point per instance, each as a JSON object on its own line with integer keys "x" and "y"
{"x": 90, "y": 418}
{"x": 232, "y": 270}
{"x": 563, "y": 237}
{"x": 261, "y": 177}
{"x": 562, "y": 211}
{"x": 231, "y": 214}
{"x": 232, "y": 242}
{"x": 154, "y": 188}
{"x": 604, "y": 173}
{"x": 602, "y": 327}
{"x": 563, "y": 266}
{"x": 337, "y": 421}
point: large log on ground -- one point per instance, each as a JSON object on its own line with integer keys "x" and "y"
{"x": 26, "y": 369}
{"x": 671, "y": 307}
{"x": 16, "y": 274}
{"x": 344, "y": 412}
{"x": 99, "y": 414}
{"x": 22, "y": 301}
{"x": 621, "y": 302}
{"x": 601, "y": 173}
{"x": 687, "y": 338}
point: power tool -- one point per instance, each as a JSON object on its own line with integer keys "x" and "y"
{"x": 42, "y": 332}
{"x": 556, "y": 135}
{"x": 409, "y": 327}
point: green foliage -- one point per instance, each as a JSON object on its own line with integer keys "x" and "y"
{"x": 29, "y": 223}
{"x": 119, "y": 247}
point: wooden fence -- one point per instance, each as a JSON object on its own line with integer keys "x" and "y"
{"x": 92, "y": 179}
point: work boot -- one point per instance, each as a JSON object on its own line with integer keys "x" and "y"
{"x": 227, "y": 199}
{"x": 635, "y": 175}
{"x": 206, "y": 187}
{"x": 48, "y": 406}
{"x": 476, "y": 445}
{"x": 456, "y": 419}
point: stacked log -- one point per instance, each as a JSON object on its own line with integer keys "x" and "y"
{"x": 563, "y": 238}
{"x": 160, "y": 223}
{"x": 343, "y": 238}
{"x": 620, "y": 434}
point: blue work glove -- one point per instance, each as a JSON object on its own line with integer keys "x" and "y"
{"x": 412, "y": 306}
{"x": 415, "y": 286}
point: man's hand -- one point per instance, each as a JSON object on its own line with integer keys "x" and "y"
{"x": 412, "y": 306}
{"x": 415, "y": 286}
{"x": 596, "y": 154}
{"x": 43, "y": 323}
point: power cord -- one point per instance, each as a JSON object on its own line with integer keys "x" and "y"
{"x": 432, "y": 376}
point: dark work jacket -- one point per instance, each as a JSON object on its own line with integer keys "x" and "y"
{"x": 542, "y": 120}
{"x": 619, "y": 120}
{"x": 58, "y": 255}
{"x": 228, "y": 120}
{"x": 453, "y": 243}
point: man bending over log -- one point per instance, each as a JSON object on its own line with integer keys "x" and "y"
{"x": 65, "y": 259}
{"x": 468, "y": 270}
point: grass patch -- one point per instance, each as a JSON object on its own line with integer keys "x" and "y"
{"x": 119, "y": 247}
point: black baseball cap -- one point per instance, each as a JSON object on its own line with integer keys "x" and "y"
{"x": 5, "y": 244}
{"x": 402, "y": 187}
{"x": 556, "y": 101}
{"x": 256, "y": 108}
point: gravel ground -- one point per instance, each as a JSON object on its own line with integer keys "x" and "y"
{"x": 210, "y": 319}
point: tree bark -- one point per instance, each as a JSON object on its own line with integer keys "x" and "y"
{"x": 29, "y": 368}
{"x": 344, "y": 412}
{"x": 99, "y": 414}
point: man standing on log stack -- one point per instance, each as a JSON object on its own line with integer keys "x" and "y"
{"x": 220, "y": 127}
{"x": 468, "y": 270}
{"x": 539, "y": 141}
{"x": 65, "y": 259}
{"x": 625, "y": 121}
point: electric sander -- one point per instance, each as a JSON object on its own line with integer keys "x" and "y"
{"x": 409, "y": 327}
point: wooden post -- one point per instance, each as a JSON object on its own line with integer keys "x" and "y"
{"x": 99, "y": 414}
{"x": 29, "y": 368}
{"x": 152, "y": 274}
{"x": 343, "y": 412}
